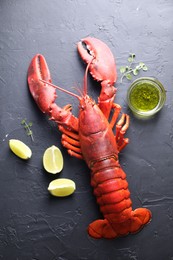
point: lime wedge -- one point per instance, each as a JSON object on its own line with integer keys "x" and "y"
{"x": 53, "y": 160}
{"x": 61, "y": 187}
{"x": 20, "y": 149}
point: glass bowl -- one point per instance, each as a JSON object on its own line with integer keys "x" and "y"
{"x": 145, "y": 97}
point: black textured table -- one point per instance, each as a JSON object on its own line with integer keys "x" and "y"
{"x": 33, "y": 224}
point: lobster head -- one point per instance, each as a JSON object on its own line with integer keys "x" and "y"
{"x": 90, "y": 115}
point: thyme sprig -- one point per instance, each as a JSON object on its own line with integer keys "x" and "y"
{"x": 27, "y": 127}
{"x": 130, "y": 70}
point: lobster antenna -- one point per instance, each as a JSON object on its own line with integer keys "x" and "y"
{"x": 59, "y": 88}
{"x": 78, "y": 90}
{"x": 85, "y": 77}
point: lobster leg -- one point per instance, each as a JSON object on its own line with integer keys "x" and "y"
{"x": 102, "y": 68}
{"x": 121, "y": 128}
{"x": 70, "y": 141}
{"x": 117, "y": 109}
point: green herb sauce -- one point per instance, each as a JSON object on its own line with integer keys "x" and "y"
{"x": 144, "y": 97}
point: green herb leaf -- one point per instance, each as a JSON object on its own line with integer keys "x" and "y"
{"x": 141, "y": 64}
{"x": 132, "y": 55}
{"x": 27, "y": 127}
{"x": 23, "y": 121}
{"x": 128, "y": 71}
{"x": 130, "y": 59}
{"x": 128, "y": 76}
{"x": 122, "y": 69}
{"x": 135, "y": 72}
{"x": 145, "y": 68}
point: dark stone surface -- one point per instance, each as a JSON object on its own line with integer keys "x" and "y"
{"x": 34, "y": 225}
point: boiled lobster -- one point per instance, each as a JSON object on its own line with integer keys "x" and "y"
{"x": 91, "y": 136}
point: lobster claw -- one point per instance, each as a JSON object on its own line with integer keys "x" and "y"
{"x": 102, "y": 67}
{"x": 43, "y": 94}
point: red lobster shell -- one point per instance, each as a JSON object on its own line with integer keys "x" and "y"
{"x": 91, "y": 137}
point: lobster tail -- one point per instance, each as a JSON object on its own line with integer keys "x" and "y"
{"x": 102, "y": 228}
{"x": 113, "y": 196}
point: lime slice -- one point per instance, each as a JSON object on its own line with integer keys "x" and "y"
{"x": 61, "y": 187}
{"x": 20, "y": 149}
{"x": 53, "y": 160}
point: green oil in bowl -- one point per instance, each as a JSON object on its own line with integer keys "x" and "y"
{"x": 146, "y": 96}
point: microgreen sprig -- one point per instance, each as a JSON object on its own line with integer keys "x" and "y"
{"x": 27, "y": 127}
{"x": 130, "y": 70}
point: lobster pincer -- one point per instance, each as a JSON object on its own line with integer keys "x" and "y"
{"x": 45, "y": 95}
{"x": 102, "y": 67}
